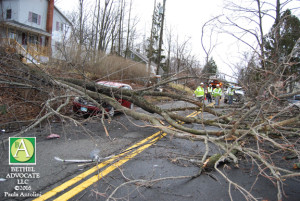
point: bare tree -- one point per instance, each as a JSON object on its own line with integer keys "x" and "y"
{"x": 169, "y": 49}
{"x": 81, "y": 25}
{"x": 259, "y": 129}
{"x": 208, "y": 50}
{"x": 181, "y": 52}
{"x": 128, "y": 31}
{"x": 120, "y": 27}
{"x": 106, "y": 21}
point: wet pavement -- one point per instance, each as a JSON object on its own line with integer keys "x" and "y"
{"x": 168, "y": 157}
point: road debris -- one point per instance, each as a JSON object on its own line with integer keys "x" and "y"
{"x": 290, "y": 157}
{"x": 83, "y": 160}
{"x": 53, "y": 136}
{"x": 73, "y": 160}
{"x": 94, "y": 158}
{"x": 296, "y": 166}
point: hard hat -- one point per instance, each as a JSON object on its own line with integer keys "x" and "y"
{"x": 201, "y": 83}
{"x": 218, "y": 85}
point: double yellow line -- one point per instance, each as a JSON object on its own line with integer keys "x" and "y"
{"x": 82, "y": 186}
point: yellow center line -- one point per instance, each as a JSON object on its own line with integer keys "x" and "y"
{"x": 69, "y": 183}
{"x": 76, "y": 179}
{"x": 77, "y": 189}
{"x": 192, "y": 113}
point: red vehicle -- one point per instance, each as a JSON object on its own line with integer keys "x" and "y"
{"x": 87, "y": 108}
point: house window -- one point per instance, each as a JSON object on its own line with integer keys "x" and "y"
{"x": 57, "y": 26}
{"x": 35, "y": 18}
{"x": 60, "y": 26}
{"x": 12, "y": 35}
{"x": 8, "y": 14}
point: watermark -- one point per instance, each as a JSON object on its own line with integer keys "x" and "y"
{"x": 22, "y": 151}
{"x": 23, "y": 177}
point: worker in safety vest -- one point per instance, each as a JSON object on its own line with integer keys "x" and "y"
{"x": 199, "y": 92}
{"x": 217, "y": 93}
{"x": 230, "y": 93}
{"x": 209, "y": 93}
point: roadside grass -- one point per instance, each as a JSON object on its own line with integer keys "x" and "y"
{"x": 171, "y": 88}
{"x": 181, "y": 88}
{"x": 102, "y": 67}
{"x": 157, "y": 99}
{"x": 116, "y": 68}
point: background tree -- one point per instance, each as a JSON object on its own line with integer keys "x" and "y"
{"x": 154, "y": 48}
{"x": 280, "y": 42}
{"x": 128, "y": 31}
{"x": 210, "y": 68}
{"x": 153, "y": 40}
{"x": 256, "y": 12}
{"x": 265, "y": 126}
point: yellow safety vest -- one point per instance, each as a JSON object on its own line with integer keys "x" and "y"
{"x": 199, "y": 92}
{"x": 217, "y": 92}
{"x": 231, "y": 92}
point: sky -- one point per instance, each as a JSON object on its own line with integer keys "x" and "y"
{"x": 186, "y": 18}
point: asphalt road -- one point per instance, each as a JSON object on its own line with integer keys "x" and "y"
{"x": 153, "y": 170}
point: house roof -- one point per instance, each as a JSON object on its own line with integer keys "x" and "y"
{"x": 142, "y": 57}
{"x": 15, "y": 24}
{"x": 63, "y": 15}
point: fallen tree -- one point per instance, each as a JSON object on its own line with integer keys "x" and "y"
{"x": 238, "y": 132}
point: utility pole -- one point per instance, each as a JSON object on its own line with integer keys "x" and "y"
{"x": 128, "y": 32}
{"x": 151, "y": 40}
{"x": 161, "y": 37}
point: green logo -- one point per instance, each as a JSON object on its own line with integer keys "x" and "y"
{"x": 22, "y": 150}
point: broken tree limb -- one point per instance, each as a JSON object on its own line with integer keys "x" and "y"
{"x": 235, "y": 126}
{"x": 137, "y": 98}
{"x": 44, "y": 117}
{"x": 164, "y": 82}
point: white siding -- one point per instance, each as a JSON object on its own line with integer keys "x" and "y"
{"x": 21, "y": 9}
{"x": 14, "y": 6}
{"x": 38, "y": 7}
{"x": 23, "y": 12}
{"x": 58, "y": 34}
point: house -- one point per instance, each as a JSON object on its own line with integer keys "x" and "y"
{"x": 135, "y": 55}
{"x": 33, "y": 28}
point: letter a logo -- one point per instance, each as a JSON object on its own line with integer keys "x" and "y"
{"x": 22, "y": 151}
